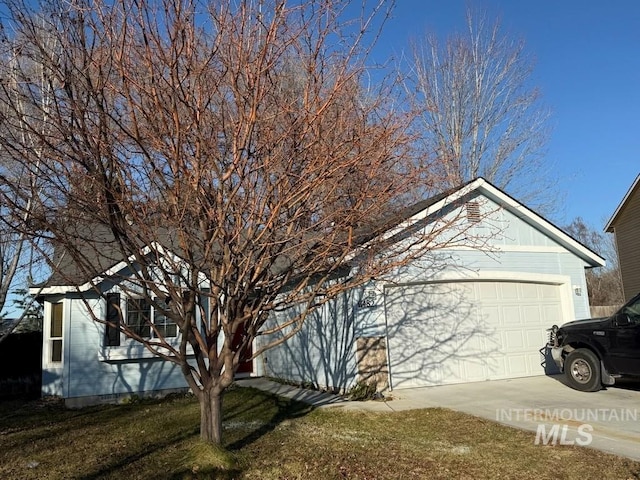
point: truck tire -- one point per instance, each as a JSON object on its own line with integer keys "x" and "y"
{"x": 582, "y": 368}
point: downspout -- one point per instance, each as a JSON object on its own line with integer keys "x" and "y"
{"x": 66, "y": 309}
{"x": 386, "y": 338}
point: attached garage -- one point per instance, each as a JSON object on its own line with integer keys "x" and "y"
{"x": 475, "y": 308}
{"x": 454, "y": 332}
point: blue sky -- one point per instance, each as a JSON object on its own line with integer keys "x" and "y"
{"x": 588, "y": 69}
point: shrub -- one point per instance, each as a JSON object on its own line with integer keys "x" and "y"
{"x": 363, "y": 391}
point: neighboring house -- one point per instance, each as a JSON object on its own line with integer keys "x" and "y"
{"x": 459, "y": 314}
{"x": 625, "y": 225}
{"x": 462, "y": 315}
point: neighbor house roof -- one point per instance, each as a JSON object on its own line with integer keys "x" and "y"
{"x": 630, "y": 193}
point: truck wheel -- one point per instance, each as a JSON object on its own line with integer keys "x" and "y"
{"x": 582, "y": 369}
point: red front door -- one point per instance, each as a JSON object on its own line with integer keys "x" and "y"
{"x": 247, "y": 365}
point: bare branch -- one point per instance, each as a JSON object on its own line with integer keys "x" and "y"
{"x": 480, "y": 115}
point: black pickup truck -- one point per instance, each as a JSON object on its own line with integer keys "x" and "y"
{"x": 594, "y": 352}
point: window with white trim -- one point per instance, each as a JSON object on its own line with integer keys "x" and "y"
{"x": 165, "y": 326}
{"x": 140, "y": 315}
{"x": 112, "y": 327}
{"x": 55, "y": 333}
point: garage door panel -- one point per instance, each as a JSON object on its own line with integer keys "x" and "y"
{"x": 491, "y": 315}
{"x": 532, "y": 314}
{"x": 529, "y": 291}
{"x": 517, "y": 365}
{"x": 508, "y": 291}
{"x": 511, "y": 315}
{"x": 493, "y": 364}
{"x": 553, "y": 313}
{"x": 466, "y": 343}
{"x": 430, "y": 327}
{"x": 459, "y": 332}
{"x": 549, "y": 292}
{"x": 512, "y": 340}
{"x": 536, "y": 337}
{"x": 488, "y": 291}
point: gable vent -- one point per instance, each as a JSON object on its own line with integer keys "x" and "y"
{"x": 473, "y": 212}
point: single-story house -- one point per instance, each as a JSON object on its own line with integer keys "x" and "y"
{"x": 460, "y": 314}
{"x": 625, "y": 225}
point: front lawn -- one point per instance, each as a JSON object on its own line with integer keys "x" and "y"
{"x": 268, "y": 437}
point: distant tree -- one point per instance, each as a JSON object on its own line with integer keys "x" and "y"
{"x": 604, "y": 283}
{"x": 479, "y": 114}
{"x": 30, "y": 310}
{"x": 18, "y": 260}
{"x": 227, "y": 152}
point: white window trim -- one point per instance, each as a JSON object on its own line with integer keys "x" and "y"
{"x": 131, "y": 349}
{"x": 136, "y": 351}
{"x": 124, "y": 339}
{"x": 47, "y": 347}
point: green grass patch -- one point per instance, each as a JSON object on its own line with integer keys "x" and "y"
{"x": 268, "y": 437}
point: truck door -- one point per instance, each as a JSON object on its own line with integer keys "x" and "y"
{"x": 625, "y": 339}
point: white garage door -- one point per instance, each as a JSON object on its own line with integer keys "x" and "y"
{"x": 459, "y": 332}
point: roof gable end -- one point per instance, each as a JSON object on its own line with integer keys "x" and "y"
{"x": 482, "y": 186}
{"x": 631, "y": 193}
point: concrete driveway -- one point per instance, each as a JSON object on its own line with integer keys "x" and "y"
{"x": 607, "y": 420}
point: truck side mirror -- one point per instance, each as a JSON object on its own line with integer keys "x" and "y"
{"x": 622, "y": 320}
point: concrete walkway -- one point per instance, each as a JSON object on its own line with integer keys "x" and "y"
{"x": 312, "y": 397}
{"x": 608, "y": 420}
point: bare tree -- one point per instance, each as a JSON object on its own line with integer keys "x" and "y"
{"x": 18, "y": 264}
{"x": 227, "y": 154}
{"x": 604, "y": 283}
{"x": 479, "y": 114}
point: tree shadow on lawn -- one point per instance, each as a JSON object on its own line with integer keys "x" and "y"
{"x": 265, "y": 412}
{"x": 44, "y": 419}
{"x": 255, "y": 412}
{"x": 170, "y": 451}
{"x": 248, "y": 415}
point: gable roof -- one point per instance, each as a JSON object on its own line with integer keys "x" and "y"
{"x": 60, "y": 282}
{"x": 527, "y": 215}
{"x": 630, "y": 193}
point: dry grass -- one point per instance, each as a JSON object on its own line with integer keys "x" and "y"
{"x": 268, "y": 437}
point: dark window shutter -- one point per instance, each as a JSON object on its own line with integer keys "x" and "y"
{"x": 112, "y": 333}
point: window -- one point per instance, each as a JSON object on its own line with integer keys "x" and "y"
{"x": 139, "y": 313}
{"x": 633, "y": 312}
{"x": 165, "y": 326}
{"x": 55, "y": 333}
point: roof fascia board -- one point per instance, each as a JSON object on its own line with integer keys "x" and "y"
{"x": 61, "y": 289}
{"x": 519, "y": 210}
{"x": 545, "y": 226}
{"x": 609, "y": 226}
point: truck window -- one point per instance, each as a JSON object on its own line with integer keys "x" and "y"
{"x": 633, "y": 312}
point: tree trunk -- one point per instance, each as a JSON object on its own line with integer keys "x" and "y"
{"x": 211, "y": 416}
